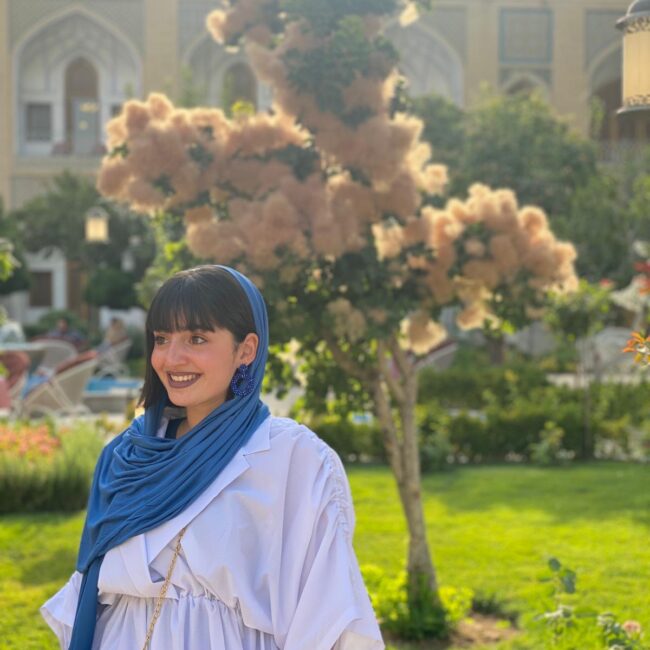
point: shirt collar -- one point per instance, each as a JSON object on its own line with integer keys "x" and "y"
{"x": 260, "y": 440}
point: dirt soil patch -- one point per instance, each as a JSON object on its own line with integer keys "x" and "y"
{"x": 479, "y": 629}
{"x": 482, "y": 629}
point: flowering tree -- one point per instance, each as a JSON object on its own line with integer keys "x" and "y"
{"x": 323, "y": 202}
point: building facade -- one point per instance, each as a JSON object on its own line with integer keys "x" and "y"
{"x": 66, "y": 66}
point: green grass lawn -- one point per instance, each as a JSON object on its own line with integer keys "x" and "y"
{"x": 490, "y": 528}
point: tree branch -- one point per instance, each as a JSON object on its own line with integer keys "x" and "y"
{"x": 386, "y": 371}
{"x": 345, "y": 361}
{"x": 387, "y": 424}
{"x": 405, "y": 366}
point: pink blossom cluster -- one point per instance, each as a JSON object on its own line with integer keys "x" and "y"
{"x": 349, "y": 322}
{"x": 244, "y": 204}
{"x": 28, "y": 442}
{"x": 386, "y": 148}
{"x": 160, "y": 141}
{"x": 470, "y": 269}
{"x": 267, "y": 207}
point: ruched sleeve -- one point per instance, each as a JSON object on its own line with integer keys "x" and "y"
{"x": 321, "y": 602}
{"x": 59, "y": 611}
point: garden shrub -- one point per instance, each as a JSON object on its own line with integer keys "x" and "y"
{"x": 463, "y": 386}
{"x": 468, "y": 436}
{"x": 436, "y": 449}
{"x": 549, "y": 449}
{"x": 42, "y": 469}
{"x": 495, "y": 413}
{"x": 389, "y": 598}
{"x": 111, "y": 287}
{"x": 351, "y": 441}
{"x": 453, "y": 387}
{"x": 614, "y": 439}
{"x": 616, "y": 401}
{"x": 515, "y": 428}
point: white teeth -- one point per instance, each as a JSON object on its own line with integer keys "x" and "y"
{"x": 182, "y": 377}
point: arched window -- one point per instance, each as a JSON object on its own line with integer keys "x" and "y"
{"x": 239, "y": 85}
{"x": 81, "y": 107}
{"x": 429, "y": 63}
{"x": 71, "y": 71}
{"x": 224, "y": 77}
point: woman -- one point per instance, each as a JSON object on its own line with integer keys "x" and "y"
{"x": 212, "y": 525}
{"x": 115, "y": 333}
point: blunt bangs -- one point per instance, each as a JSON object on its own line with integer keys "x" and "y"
{"x": 182, "y": 305}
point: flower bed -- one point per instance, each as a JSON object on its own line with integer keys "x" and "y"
{"x": 45, "y": 469}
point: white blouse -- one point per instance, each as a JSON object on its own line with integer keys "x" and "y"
{"x": 266, "y": 561}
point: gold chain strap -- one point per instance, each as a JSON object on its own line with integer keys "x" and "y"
{"x": 163, "y": 590}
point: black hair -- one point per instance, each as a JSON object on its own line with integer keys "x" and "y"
{"x": 203, "y": 298}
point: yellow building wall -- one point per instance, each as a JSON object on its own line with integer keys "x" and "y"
{"x": 570, "y": 84}
{"x": 482, "y": 48}
{"x": 6, "y": 144}
{"x": 161, "y": 59}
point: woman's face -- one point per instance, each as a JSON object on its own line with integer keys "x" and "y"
{"x": 196, "y": 367}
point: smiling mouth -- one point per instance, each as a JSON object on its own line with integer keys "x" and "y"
{"x": 181, "y": 380}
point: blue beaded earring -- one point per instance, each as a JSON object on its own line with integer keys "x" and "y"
{"x": 242, "y": 383}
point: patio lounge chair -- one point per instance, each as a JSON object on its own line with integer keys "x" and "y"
{"x": 16, "y": 365}
{"x": 56, "y": 352}
{"x": 111, "y": 361}
{"x": 62, "y": 393}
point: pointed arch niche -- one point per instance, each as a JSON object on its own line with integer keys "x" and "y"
{"x": 71, "y": 74}
{"x": 239, "y": 85}
{"x": 225, "y": 76}
{"x": 429, "y": 63}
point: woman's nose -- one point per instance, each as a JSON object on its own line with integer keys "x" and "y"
{"x": 176, "y": 352}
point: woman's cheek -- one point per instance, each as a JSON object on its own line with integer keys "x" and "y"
{"x": 156, "y": 361}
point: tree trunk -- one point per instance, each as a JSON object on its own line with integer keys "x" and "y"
{"x": 419, "y": 556}
{"x": 399, "y": 427}
{"x": 394, "y": 391}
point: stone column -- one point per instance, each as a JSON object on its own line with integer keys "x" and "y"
{"x": 6, "y": 107}
{"x": 482, "y": 48}
{"x": 161, "y": 56}
{"x": 570, "y": 92}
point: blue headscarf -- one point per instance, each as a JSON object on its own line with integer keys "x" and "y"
{"x": 142, "y": 481}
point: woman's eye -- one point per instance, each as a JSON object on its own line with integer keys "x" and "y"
{"x": 196, "y": 339}
{"x": 158, "y": 339}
